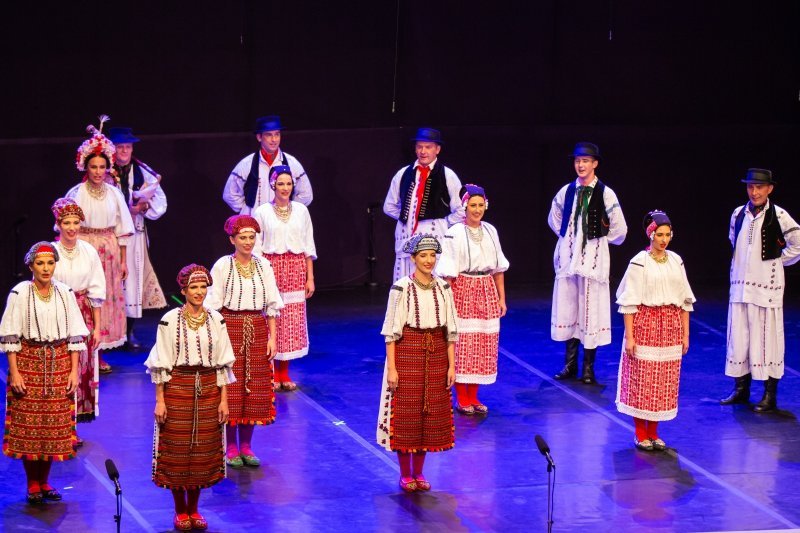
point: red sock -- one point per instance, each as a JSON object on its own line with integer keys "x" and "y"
{"x": 246, "y": 438}
{"x": 462, "y": 394}
{"x": 281, "y": 371}
{"x": 192, "y": 499}
{"x": 419, "y": 462}
{"x": 179, "y": 497}
{"x": 652, "y": 430}
{"x": 232, "y": 448}
{"x": 404, "y": 458}
{"x": 472, "y": 390}
{"x": 641, "y": 429}
{"x": 32, "y": 474}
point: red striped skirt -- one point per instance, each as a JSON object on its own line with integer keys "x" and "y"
{"x": 112, "y": 313}
{"x": 420, "y": 413}
{"x": 251, "y": 399}
{"x": 478, "y": 310}
{"x": 188, "y": 451}
{"x": 647, "y": 383}
{"x": 292, "y": 324}
{"x": 86, "y": 395}
{"x": 41, "y": 424}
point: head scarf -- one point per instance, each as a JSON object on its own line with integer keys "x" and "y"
{"x": 40, "y": 248}
{"x": 239, "y": 223}
{"x": 471, "y": 190}
{"x": 194, "y": 273}
{"x": 653, "y": 220}
{"x": 422, "y": 241}
{"x": 66, "y": 207}
{"x": 277, "y": 171}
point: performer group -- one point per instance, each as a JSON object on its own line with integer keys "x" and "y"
{"x": 219, "y": 359}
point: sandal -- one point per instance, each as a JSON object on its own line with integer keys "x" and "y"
{"x": 234, "y": 462}
{"x": 50, "y": 494}
{"x": 276, "y": 386}
{"x": 408, "y": 486}
{"x": 34, "y": 498}
{"x": 250, "y": 460}
{"x": 465, "y": 409}
{"x": 181, "y": 523}
{"x": 198, "y": 521}
{"x": 423, "y": 484}
{"x": 644, "y": 445}
{"x": 480, "y": 408}
{"x": 289, "y": 385}
{"x": 104, "y": 368}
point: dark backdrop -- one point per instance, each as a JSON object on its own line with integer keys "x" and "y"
{"x": 682, "y": 98}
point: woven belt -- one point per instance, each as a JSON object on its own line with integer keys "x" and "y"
{"x": 100, "y": 231}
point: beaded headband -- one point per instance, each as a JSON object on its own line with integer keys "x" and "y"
{"x": 67, "y": 207}
{"x": 95, "y": 145}
{"x": 194, "y": 273}
{"x": 277, "y": 171}
{"x": 423, "y": 241}
{"x": 240, "y": 224}
{"x": 40, "y": 248}
{"x": 471, "y": 190}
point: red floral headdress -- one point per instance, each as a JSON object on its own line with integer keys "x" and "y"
{"x": 96, "y": 144}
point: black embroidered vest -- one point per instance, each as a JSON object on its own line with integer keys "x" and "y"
{"x": 596, "y": 217}
{"x": 251, "y": 183}
{"x": 435, "y": 199}
{"x": 772, "y": 241}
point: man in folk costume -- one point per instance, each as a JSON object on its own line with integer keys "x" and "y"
{"x": 141, "y": 187}
{"x": 423, "y": 197}
{"x": 586, "y": 217}
{"x": 248, "y": 185}
{"x": 765, "y": 238}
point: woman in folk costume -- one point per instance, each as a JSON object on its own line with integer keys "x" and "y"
{"x": 416, "y": 412}
{"x": 474, "y": 264}
{"x": 287, "y": 240}
{"x": 107, "y": 227}
{"x": 42, "y": 333}
{"x": 191, "y": 366}
{"x": 81, "y": 270}
{"x": 655, "y": 300}
{"x": 248, "y": 298}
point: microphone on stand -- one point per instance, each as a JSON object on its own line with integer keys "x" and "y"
{"x": 113, "y": 475}
{"x": 544, "y": 449}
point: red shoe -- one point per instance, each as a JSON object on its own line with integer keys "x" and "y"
{"x": 408, "y": 486}
{"x": 423, "y": 485}
{"x": 182, "y": 522}
{"x": 198, "y": 522}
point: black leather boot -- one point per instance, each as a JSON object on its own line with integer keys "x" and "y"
{"x": 588, "y": 365}
{"x": 570, "y": 369}
{"x": 740, "y": 392}
{"x": 770, "y": 400}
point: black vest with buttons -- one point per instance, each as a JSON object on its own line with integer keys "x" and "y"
{"x": 435, "y": 198}
{"x": 772, "y": 241}
{"x": 596, "y": 217}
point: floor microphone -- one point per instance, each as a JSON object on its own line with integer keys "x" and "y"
{"x": 113, "y": 474}
{"x": 544, "y": 449}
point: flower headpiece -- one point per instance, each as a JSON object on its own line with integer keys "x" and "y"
{"x": 96, "y": 144}
{"x": 40, "y": 248}
{"x": 240, "y": 223}
{"x": 277, "y": 171}
{"x": 194, "y": 273}
{"x": 67, "y": 207}
{"x": 422, "y": 241}
{"x": 471, "y": 190}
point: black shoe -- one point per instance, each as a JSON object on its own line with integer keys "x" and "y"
{"x": 570, "y": 369}
{"x": 770, "y": 400}
{"x": 133, "y": 343}
{"x": 740, "y": 392}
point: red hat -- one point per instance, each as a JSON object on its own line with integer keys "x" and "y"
{"x": 192, "y": 274}
{"x": 66, "y": 207}
{"x": 239, "y": 223}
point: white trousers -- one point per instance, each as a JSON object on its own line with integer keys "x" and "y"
{"x": 755, "y": 341}
{"x": 581, "y": 310}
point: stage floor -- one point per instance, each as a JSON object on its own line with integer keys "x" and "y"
{"x": 729, "y": 469}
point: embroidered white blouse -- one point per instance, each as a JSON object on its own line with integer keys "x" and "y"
{"x": 178, "y": 345}
{"x": 648, "y": 282}
{"x": 419, "y": 308}
{"x": 28, "y": 317}
{"x": 462, "y": 254}
{"x": 238, "y": 293}
{"x": 296, "y": 235}
{"x": 82, "y": 272}
{"x": 110, "y": 212}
